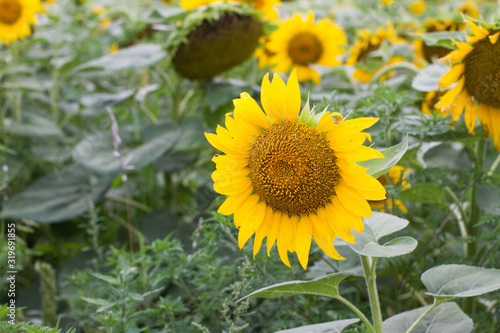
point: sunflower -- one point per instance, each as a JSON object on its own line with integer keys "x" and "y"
{"x": 431, "y": 99}
{"x": 298, "y": 43}
{"x": 469, "y": 8}
{"x": 263, "y": 54}
{"x": 369, "y": 42}
{"x": 397, "y": 175}
{"x": 16, "y": 18}
{"x": 417, "y": 7}
{"x": 476, "y": 72}
{"x": 291, "y": 178}
{"x": 267, "y": 7}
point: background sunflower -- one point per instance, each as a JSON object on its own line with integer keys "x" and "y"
{"x": 475, "y": 73}
{"x": 16, "y": 18}
{"x": 300, "y": 44}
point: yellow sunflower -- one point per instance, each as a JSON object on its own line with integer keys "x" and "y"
{"x": 417, "y": 7}
{"x": 430, "y": 101}
{"x": 291, "y": 178}
{"x": 300, "y": 44}
{"x": 469, "y": 8}
{"x": 476, "y": 74}
{"x": 267, "y": 7}
{"x": 16, "y": 18}
{"x": 263, "y": 54}
{"x": 397, "y": 175}
{"x": 368, "y": 43}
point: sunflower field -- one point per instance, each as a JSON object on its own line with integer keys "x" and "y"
{"x": 244, "y": 166}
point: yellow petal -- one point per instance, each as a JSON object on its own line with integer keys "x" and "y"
{"x": 494, "y": 38}
{"x": 246, "y": 108}
{"x": 262, "y": 230}
{"x": 242, "y": 214}
{"x": 273, "y": 231}
{"x": 233, "y": 202}
{"x": 284, "y": 235}
{"x": 452, "y": 75}
{"x": 362, "y": 153}
{"x": 248, "y": 227}
{"x": 303, "y": 240}
{"x": 352, "y": 200}
{"x": 479, "y": 33}
{"x": 232, "y": 186}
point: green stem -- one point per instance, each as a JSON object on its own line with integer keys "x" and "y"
{"x": 370, "y": 277}
{"x": 412, "y": 327}
{"x": 461, "y": 224}
{"x": 357, "y": 312}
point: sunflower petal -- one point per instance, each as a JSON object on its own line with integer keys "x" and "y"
{"x": 303, "y": 240}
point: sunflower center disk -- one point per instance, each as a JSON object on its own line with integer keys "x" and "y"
{"x": 292, "y": 168}
{"x": 305, "y": 48}
{"x": 10, "y": 11}
{"x": 482, "y": 72}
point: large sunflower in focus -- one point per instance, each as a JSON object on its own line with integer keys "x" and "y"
{"x": 300, "y": 44}
{"x": 291, "y": 178}
{"x": 16, "y": 18}
{"x": 267, "y": 7}
{"x": 476, "y": 74}
{"x": 369, "y": 42}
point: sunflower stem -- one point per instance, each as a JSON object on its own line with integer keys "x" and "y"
{"x": 495, "y": 164}
{"x": 357, "y": 312}
{"x": 371, "y": 284}
{"x": 432, "y": 307}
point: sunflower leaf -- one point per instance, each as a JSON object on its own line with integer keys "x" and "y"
{"x": 428, "y": 78}
{"x": 445, "y": 318}
{"x": 441, "y": 38}
{"x": 378, "y": 166}
{"x": 450, "y": 281}
{"x": 323, "y": 286}
{"x": 336, "y": 326}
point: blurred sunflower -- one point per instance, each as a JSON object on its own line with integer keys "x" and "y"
{"x": 476, "y": 74}
{"x": 16, "y": 18}
{"x": 300, "y": 44}
{"x": 417, "y": 7}
{"x": 397, "y": 175}
{"x": 267, "y": 7}
{"x": 431, "y": 53}
{"x": 469, "y": 8}
{"x": 291, "y": 178}
{"x": 430, "y": 101}
{"x": 369, "y": 42}
{"x": 263, "y": 54}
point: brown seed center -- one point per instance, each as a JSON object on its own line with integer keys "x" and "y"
{"x": 292, "y": 168}
{"x": 482, "y": 72}
{"x": 305, "y": 48}
{"x": 10, "y": 11}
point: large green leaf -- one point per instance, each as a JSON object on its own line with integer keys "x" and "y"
{"x": 136, "y": 56}
{"x": 445, "y": 318}
{"x": 323, "y": 286}
{"x": 383, "y": 224}
{"x": 33, "y": 125}
{"x": 428, "y": 78}
{"x": 336, "y": 326}
{"x": 378, "y": 166}
{"x": 441, "y": 38}
{"x": 488, "y": 198}
{"x": 98, "y": 101}
{"x": 61, "y": 195}
{"x": 460, "y": 280}
{"x": 97, "y": 151}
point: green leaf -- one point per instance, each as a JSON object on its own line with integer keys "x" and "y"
{"x": 383, "y": 224}
{"x": 220, "y": 93}
{"x": 33, "y": 125}
{"x": 488, "y": 198}
{"x": 323, "y": 286}
{"x": 106, "y": 278}
{"x": 96, "y": 301}
{"x": 98, "y": 101}
{"x": 378, "y": 166}
{"x": 97, "y": 152}
{"x": 61, "y": 195}
{"x": 136, "y": 56}
{"x": 445, "y": 318}
{"x": 428, "y": 78}
{"x": 428, "y": 194}
{"x": 460, "y": 280}
{"x": 441, "y": 38}
{"x": 336, "y": 326}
